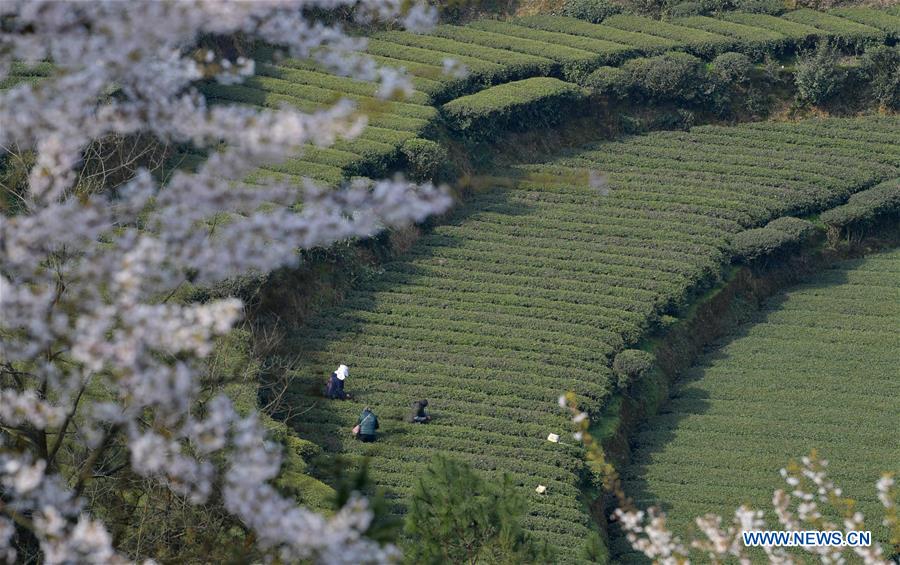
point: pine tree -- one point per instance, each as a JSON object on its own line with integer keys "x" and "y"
{"x": 455, "y": 516}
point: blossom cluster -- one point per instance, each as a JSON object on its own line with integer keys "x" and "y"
{"x": 84, "y": 277}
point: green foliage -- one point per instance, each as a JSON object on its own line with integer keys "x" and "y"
{"x": 610, "y": 81}
{"x": 842, "y": 32}
{"x": 819, "y": 76}
{"x": 794, "y": 227}
{"x": 802, "y": 35}
{"x": 880, "y": 19}
{"x": 594, "y": 11}
{"x": 732, "y": 68}
{"x": 536, "y": 286}
{"x": 863, "y": 210}
{"x": 424, "y": 158}
{"x": 672, "y": 76}
{"x": 698, "y": 42}
{"x": 644, "y": 43}
{"x": 526, "y": 104}
{"x": 881, "y": 66}
{"x": 751, "y": 40}
{"x": 455, "y": 516}
{"x": 779, "y": 236}
{"x": 631, "y": 365}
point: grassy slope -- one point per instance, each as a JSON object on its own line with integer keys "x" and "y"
{"x": 817, "y": 369}
{"x": 527, "y": 292}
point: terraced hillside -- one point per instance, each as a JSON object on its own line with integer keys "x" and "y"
{"x": 529, "y": 290}
{"x": 299, "y": 84}
{"x": 495, "y": 52}
{"x": 817, "y": 369}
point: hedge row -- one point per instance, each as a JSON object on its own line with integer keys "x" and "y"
{"x": 753, "y": 40}
{"x": 569, "y": 60}
{"x": 386, "y": 144}
{"x": 524, "y": 104}
{"x": 801, "y": 34}
{"x": 646, "y": 44}
{"x": 534, "y": 288}
{"x": 498, "y": 51}
{"x": 865, "y": 209}
{"x": 821, "y": 355}
{"x": 880, "y": 19}
{"x": 607, "y": 51}
{"x": 697, "y": 41}
{"x": 777, "y": 237}
{"x": 844, "y": 32}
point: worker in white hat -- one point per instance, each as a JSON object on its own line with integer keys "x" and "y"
{"x": 335, "y": 388}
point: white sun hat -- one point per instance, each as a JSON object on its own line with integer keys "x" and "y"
{"x": 553, "y": 437}
{"x": 541, "y": 489}
{"x": 342, "y": 372}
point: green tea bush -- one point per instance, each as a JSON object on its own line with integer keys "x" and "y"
{"x": 644, "y": 43}
{"x": 881, "y": 66}
{"x": 732, "y": 68}
{"x": 630, "y": 365}
{"x": 610, "y": 81}
{"x": 424, "y": 158}
{"x": 819, "y": 76}
{"x": 520, "y": 105}
{"x": 594, "y": 11}
{"x": 777, "y": 236}
{"x": 880, "y": 19}
{"x": 672, "y": 76}
{"x": 863, "y": 210}
{"x": 801, "y": 35}
{"x": 755, "y": 41}
{"x": 794, "y": 227}
{"x": 845, "y": 33}
{"x": 760, "y": 242}
{"x": 698, "y": 42}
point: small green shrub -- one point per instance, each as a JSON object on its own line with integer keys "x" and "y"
{"x": 610, "y": 81}
{"x": 521, "y": 105}
{"x": 794, "y": 227}
{"x": 594, "y": 11}
{"x": 671, "y": 76}
{"x": 777, "y": 236}
{"x": 881, "y": 66}
{"x": 424, "y": 158}
{"x": 732, "y": 68}
{"x": 819, "y": 77}
{"x": 863, "y": 210}
{"x": 630, "y": 365}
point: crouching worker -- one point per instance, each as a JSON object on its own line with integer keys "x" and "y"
{"x": 366, "y": 426}
{"x": 335, "y": 388}
{"x": 418, "y": 415}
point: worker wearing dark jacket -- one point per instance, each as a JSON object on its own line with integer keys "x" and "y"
{"x": 335, "y": 388}
{"x": 418, "y": 414}
{"x": 368, "y": 423}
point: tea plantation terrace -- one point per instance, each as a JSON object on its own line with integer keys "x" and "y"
{"x": 496, "y": 52}
{"x": 816, "y": 370}
{"x": 529, "y": 291}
